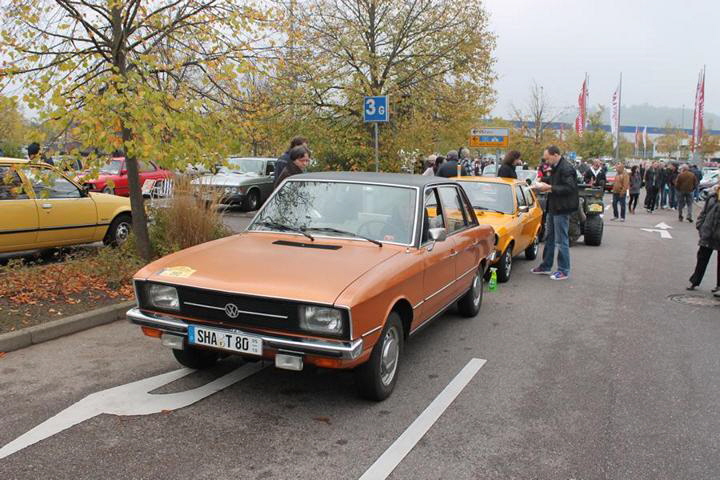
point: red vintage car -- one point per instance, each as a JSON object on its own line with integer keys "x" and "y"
{"x": 113, "y": 177}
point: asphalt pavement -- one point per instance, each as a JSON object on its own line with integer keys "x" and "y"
{"x": 603, "y": 376}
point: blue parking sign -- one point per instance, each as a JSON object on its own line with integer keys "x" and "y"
{"x": 375, "y": 109}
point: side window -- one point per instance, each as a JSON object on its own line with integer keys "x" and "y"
{"x": 270, "y": 168}
{"x": 529, "y": 199}
{"x": 145, "y": 167}
{"x": 433, "y": 217}
{"x": 49, "y": 184}
{"x": 520, "y": 198}
{"x": 11, "y": 186}
{"x": 469, "y": 212}
{"x": 455, "y": 214}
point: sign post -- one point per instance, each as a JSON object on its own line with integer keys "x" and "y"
{"x": 375, "y": 110}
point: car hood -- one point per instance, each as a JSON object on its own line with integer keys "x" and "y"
{"x": 496, "y": 220}
{"x": 253, "y": 263}
{"x": 232, "y": 179}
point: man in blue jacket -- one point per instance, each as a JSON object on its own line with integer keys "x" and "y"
{"x": 562, "y": 201}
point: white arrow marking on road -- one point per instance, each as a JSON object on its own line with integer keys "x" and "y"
{"x": 392, "y": 457}
{"x": 663, "y": 233}
{"x": 663, "y": 225}
{"x": 130, "y": 399}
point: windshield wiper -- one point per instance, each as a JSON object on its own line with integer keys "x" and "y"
{"x": 344, "y": 232}
{"x": 281, "y": 226}
{"x": 477, "y": 207}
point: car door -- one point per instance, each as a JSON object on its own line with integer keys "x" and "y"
{"x": 533, "y": 218}
{"x": 460, "y": 220}
{"x": 438, "y": 260}
{"x": 19, "y": 218}
{"x": 66, "y": 216}
{"x": 522, "y": 234}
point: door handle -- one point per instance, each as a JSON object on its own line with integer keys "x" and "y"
{"x": 47, "y": 206}
{"x": 453, "y": 253}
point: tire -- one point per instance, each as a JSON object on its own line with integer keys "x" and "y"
{"x": 251, "y": 201}
{"x": 195, "y": 358}
{"x": 504, "y": 266}
{"x": 532, "y": 250}
{"x": 593, "y": 231}
{"x": 108, "y": 190}
{"x": 119, "y": 230}
{"x": 373, "y": 380}
{"x": 470, "y": 303}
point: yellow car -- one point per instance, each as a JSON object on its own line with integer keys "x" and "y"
{"x": 42, "y": 208}
{"x": 512, "y": 209}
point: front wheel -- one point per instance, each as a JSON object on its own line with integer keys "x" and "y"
{"x": 593, "y": 230}
{"x": 470, "y": 303}
{"x": 108, "y": 190}
{"x": 119, "y": 230}
{"x": 376, "y": 378}
{"x": 252, "y": 201}
{"x": 504, "y": 267}
{"x": 532, "y": 250}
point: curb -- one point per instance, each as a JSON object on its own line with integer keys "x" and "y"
{"x": 64, "y": 326}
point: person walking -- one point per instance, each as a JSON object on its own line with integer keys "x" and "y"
{"x": 562, "y": 201}
{"x": 619, "y": 191}
{"x": 511, "y": 160}
{"x": 284, "y": 159}
{"x": 652, "y": 182}
{"x": 299, "y": 161}
{"x": 708, "y": 225}
{"x": 635, "y": 186}
{"x": 685, "y": 183}
{"x": 449, "y": 168}
{"x": 672, "y": 177}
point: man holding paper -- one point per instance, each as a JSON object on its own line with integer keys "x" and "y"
{"x": 562, "y": 201}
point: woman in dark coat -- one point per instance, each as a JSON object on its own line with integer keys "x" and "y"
{"x": 507, "y": 169}
{"x": 708, "y": 225}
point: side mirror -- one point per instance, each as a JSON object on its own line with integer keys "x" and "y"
{"x": 123, "y": 172}
{"x": 528, "y": 181}
{"x": 524, "y": 209}
{"x": 85, "y": 190}
{"x": 438, "y": 234}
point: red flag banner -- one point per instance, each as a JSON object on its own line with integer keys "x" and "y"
{"x": 699, "y": 116}
{"x": 582, "y": 110}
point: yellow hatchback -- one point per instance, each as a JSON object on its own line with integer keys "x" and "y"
{"x": 42, "y": 208}
{"x": 512, "y": 209}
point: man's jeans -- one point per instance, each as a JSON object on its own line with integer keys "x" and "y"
{"x": 617, "y": 198}
{"x": 556, "y": 227}
{"x": 673, "y": 197}
{"x": 663, "y": 196}
{"x": 685, "y": 199}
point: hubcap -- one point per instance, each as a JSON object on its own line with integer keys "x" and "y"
{"x": 122, "y": 233}
{"x": 508, "y": 262}
{"x": 254, "y": 201}
{"x": 535, "y": 245}
{"x": 477, "y": 289}
{"x": 390, "y": 355}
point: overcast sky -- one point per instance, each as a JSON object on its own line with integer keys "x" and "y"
{"x": 658, "y": 45}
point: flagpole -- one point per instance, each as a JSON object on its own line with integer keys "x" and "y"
{"x": 617, "y": 133}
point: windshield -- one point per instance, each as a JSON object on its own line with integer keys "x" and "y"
{"x": 525, "y": 174}
{"x": 381, "y": 213}
{"x": 112, "y": 167}
{"x": 490, "y": 196}
{"x": 243, "y": 165}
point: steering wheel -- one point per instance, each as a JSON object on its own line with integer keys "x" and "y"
{"x": 366, "y": 226}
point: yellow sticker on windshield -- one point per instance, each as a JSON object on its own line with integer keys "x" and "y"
{"x": 177, "y": 272}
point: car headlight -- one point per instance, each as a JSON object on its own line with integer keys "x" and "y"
{"x": 163, "y": 296}
{"x": 234, "y": 190}
{"x": 321, "y": 319}
{"x": 228, "y": 189}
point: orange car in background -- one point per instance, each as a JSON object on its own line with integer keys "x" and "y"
{"x": 512, "y": 209}
{"x": 336, "y": 270}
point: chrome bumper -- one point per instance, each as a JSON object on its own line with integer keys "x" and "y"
{"x": 339, "y": 349}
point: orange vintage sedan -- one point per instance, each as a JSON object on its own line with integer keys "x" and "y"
{"x": 336, "y": 270}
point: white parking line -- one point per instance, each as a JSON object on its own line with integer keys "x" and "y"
{"x": 392, "y": 457}
{"x": 130, "y": 399}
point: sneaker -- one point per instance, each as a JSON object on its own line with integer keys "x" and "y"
{"x": 558, "y": 276}
{"x": 622, "y": 219}
{"x": 690, "y": 220}
{"x": 615, "y": 219}
{"x": 539, "y": 271}
{"x": 680, "y": 219}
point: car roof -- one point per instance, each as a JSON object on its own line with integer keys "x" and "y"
{"x": 399, "y": 179}
{"x": 13, "y": 160}
{"x": 507, "y": 181}
{"x": 240, "y": 157}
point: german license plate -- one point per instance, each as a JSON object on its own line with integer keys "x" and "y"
{"x": 224, "y": 340}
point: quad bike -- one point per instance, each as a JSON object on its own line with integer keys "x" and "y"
{"x": 587, "y": 220}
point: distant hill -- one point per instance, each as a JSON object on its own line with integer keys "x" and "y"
{"x": 652, "y": 116}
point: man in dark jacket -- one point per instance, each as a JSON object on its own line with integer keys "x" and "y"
{"x": 284, "y": 159}
{"x": 450, "y": 167}
{"x": 698, "y": 174}
{"x": 299, "y": 160}
{"x": 562, "y": 201}
{"x": 595, "y": 175}
{"x": 708, "y": 225}
{"x": 652, "y": 185}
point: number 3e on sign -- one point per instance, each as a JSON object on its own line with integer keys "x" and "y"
{"x": 375, "y": 109}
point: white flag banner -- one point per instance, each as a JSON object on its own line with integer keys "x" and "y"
{"x": 645, "y": 137}
{"x": 615, "y": 116}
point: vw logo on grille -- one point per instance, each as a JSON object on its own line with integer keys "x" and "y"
{"x": 231, "y": 310}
